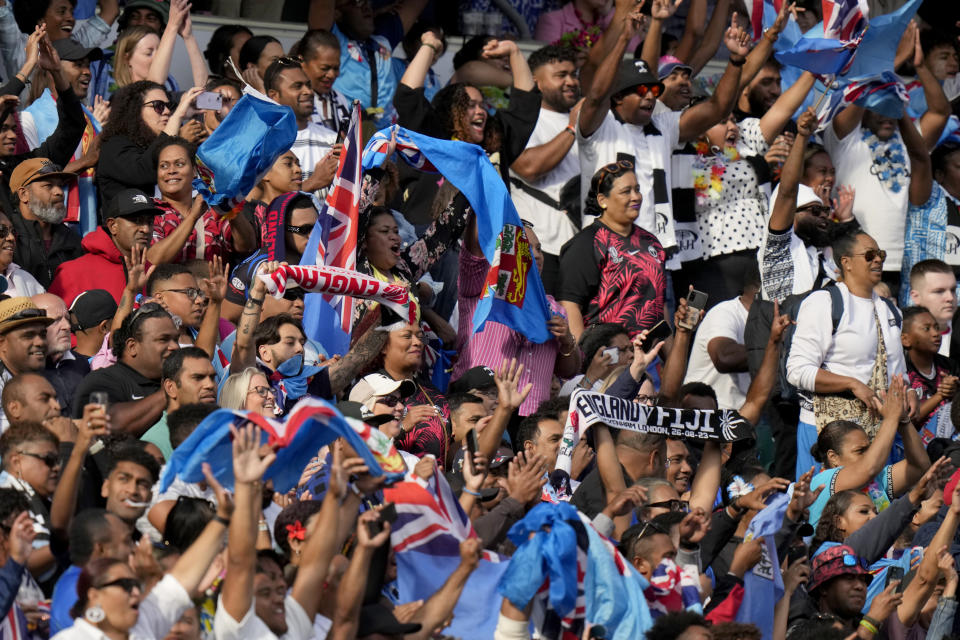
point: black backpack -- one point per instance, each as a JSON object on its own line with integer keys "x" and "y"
{"x": 757, "y": 333}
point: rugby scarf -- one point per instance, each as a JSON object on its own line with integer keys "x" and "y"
{"x": 589, "y": 407}
{"x": 335, "y": 281}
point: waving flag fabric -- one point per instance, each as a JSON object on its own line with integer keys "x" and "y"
{"x": 673, "y": 588}
{"x": 341, "y": 282}
{"x": 311, "y": 424}
{"x": 910, "y": 559}
{"x": 884, "y": 94}
{"x": 763, "y": 585}
{"x": 514, "y": 294}
{"x": 328, "y": 319}
{"x": 573, "y": 575}
{"x": 757, "y": 9}
{"x": 844, "y": 20}
{"x": 426, "y": 540}
{"x": 242, "y": 149}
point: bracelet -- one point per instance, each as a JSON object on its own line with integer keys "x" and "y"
{"x": 435, "y": 48}
{"x": 472, "y": 493}
{"x": 569, "y": 129}
{"x": 263, "y": 526}
{"x": 869, "y": 627}
{"x": 873, "y": 621}
{"x": 224, "y": 521}
{"x": 738, "y": 63}
{"x": 22, "y": 78}
{"x": 767, "y": 35}
{"x": 255, "y": 301}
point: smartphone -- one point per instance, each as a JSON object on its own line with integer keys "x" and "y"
{"x": 796, "y": 552}
{"x": 387, "y": 514}
{"x": 101, "y": 398}
{"x": 597, "y": 631}
{"x": 614, "y": 354}
{"x": 696, "y": 302}
{"x": 894, "y": 574}
{"x": 473, "y": 445}
{"x": 660, "y": 331}
{"x": 209, "y": 101}
{"x": 342, "y": 129}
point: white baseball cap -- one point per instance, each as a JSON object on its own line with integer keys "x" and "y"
{"x": 377, "y": 385}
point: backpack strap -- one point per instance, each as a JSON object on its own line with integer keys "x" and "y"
{"x": 836, "y": 305}
{"x": 898, "y": 318}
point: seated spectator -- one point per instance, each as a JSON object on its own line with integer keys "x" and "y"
{"x": 186, "y": 228}
{"x": 384, "y": 396}
{"x": 196, "y": 309}
{"x": 44, "y": 242}
{"x": 931, "y": 375}
{"x": 90, "y": 315}
{"x": 126, "y": 229}
{"x": 126, "y": 487}
{"x": 229, "y": 95}
{"x": 283, "y": 177}
{"x": 140, "y": 119}
{"x": 613, "y": 270}
{"x": 29, "y": 397}
{"x": 225, "y": 43}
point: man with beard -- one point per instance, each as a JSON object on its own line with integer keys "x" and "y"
{"x": 760, "y": 93}
{"x": 43, "y": 241}
{"x": 794, "y": 256}
{"x": 550, "y": 159}
{"x": 315, "y": 148}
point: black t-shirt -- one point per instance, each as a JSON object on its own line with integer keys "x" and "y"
{"x": 614, "y": 278}
{"x": 121, "y": 383}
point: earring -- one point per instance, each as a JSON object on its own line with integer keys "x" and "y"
{"x": 94, "y": 614}
{"x": 715, "y": 149}
{"x": 603, "y": 206}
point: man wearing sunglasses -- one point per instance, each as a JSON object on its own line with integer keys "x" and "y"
{"x": 617, "y": 121}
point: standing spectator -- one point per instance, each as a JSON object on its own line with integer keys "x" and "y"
{"x": 285, "y": 82}
{"x": 127, "y": 227}
{"x": 44, "y": 242}
{"x": 23, "y": 341}
{"x": 550, "y": 160}
{"x": 256, "y": 54}
{"x": 225, "y": 43}
{"x": 319, "y": 51}
{"x": 574, "y": 17}
{"x": 229, "y": 95}
{"x": 613, "y": 269}
{"x": 932, "y": 375}
{"x": 760, "y": 93}
{"x": 368, "y": 72}
{"x": 933, "y": 285}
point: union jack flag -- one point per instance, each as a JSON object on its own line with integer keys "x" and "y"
{"x": 880, "y": 93}
{"x": 672, "y": 588}
{"x": 844, "y": 20}
{"x": 376, "y": 152}
{"x": 338, "y": 218}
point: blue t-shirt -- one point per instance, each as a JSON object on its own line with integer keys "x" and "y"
{"x": 879, "y": 490}
{"x": 355, "y": 79}
{"x": 64, "y": 597}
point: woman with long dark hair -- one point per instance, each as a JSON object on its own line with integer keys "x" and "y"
{"x": 141, "y": 118}
{"x": 612, "y": 271}
{"x": 225, "y": 43}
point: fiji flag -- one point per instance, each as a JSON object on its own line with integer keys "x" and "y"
{"x": 328, "y": 319}
{"x": 514, "y": 293}
{"x": 883, "y": 94}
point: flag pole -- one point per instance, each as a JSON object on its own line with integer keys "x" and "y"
{"x": 826, "y": 90}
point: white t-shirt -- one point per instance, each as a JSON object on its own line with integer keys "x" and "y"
{"x": 313, "y": 142}
{"x": 299, "y": 626}
{"x": 648, "y": 152}
{"x": 881, "y": 211}
{"x": 851, "y": 351}
{"x": 727, "y": 319}
{"x": 553, "y": 227}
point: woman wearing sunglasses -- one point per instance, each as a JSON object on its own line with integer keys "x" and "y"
{"x": 141, "y": 118}
{"x": 612, "y": 271}
{"x": 186, "y": 228}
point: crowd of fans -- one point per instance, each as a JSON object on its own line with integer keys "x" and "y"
{"x": 130, "y": 311}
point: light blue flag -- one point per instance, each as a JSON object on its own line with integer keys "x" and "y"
{"x": 763, "y": 585}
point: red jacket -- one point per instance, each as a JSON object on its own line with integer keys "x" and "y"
{"x": 101, "y": 267}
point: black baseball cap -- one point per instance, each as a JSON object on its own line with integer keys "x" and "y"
{"x": 130, "y": 202}
{"x": 633, "y": 73}
{"x": 474, "y": 378}
{"x": 90, "y": 308}
{"x": 70, "y": 49}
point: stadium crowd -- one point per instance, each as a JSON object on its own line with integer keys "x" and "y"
{"x": 731, "y": 417}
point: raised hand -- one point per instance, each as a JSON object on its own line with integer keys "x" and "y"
{"x": 136, "y": 276}
{"x": 886, "y": 602}
{"x": 33, "y": 45}
{"x": 755, "y": 499}
{"x": 21, "y": 538}
{"x": 694, "y": 526}
{"x": 94, "y": 423}
{"x": 736, "y": 39}
{"x": 185, "y": 105}
{"x": 215, "y": 287}
{"x": 179, "y": 11}
{"x": 893, "y": 406}
{"x": 626, "y": 501}
{"x": 643, "y": 359}
{"x": 746, "y": 555}
{"x": 525, "y": 478}
{"x": 509, "y": 394}
{"x": 947, "y": 388}
{"x": 49, "y": 59}
{"x": 252, "y": 77}
{"x": 416, "y": 414}
{"x": 499, "y": 49}
{"x": 425, "y": 468}
{"x": 664, "y": 9}
{"x": 928, "y": 482}
{"x": 783, "y": 16}
{"x": 779, "y": 324}
{"x": 803, "y": 497}
{"x": 357, "y": 470}
{"x": 807, "y": 123}
{"x": 470, "y": 552}
{"x": 364, "y": 539}
{"x": 843, "y": 203}
{"x": 223, "y": 497}
{"x": 795, "y": 575}
{"x": 248, "y": 463}
{"x": 101, "y": 109}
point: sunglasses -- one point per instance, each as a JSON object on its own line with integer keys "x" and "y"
{"x": 872, "y": 254}
{"x": 302, "y": 230}
{"x": 159, "y": 106}
{"x": 289, "y": 61}
{"x": 615, "y": 167}
{"x": 853, "y": 561}
{"x": 388, "y": 401}
{"x": 52, "y": 460}
{"x": 651, "y": 528}
{"x": 817, "y": 210}
{"x": 294, "y": 294}
{"x": 643, "y": 89}
{"x": 191, "y": 292}
{"x": 7, "y": 230}
{"x": 127, "y": 584}
{"x": 673, "y": 505}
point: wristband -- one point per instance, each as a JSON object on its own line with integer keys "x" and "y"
{"x": 569, "y": 129}
{"x": 258, "y": 302}
{"x": 869, "y": 627}
{"x": 472, "y": 493}
{"x": 873, "y": 621}
{"x": 263, "y": 526}
{"x": 224, "y": 521}
{"x": 432, "y": 46}
{"x": 738, "y": 63}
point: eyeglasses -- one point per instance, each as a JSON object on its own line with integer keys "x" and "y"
{"x": 159, "y": 106}
{"x": 643, "y": 89}
{"x": 27, "y": 314}
{"x": 52, "y": 460}
{"x": 614, "y": 167}
{"x": 388, "y": 401}
{"x": 191, "y": 292}
{"x": 646, "y": 400}
{"x": 294, "y": 294}
{"x": 127, "y": 584}
{"x": 872, "y": 254}
{"x": 7, "y": 230}
{"x": 302, "y": 230}
{"x": 672, "y": 505}
{"x": 264, "y": 392}
{"x": 817, "y": 210}
{"x": 651, "y": 528}
{"x": 150, "y": 307}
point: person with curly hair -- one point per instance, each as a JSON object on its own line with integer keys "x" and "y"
{"x": 141, "y": 118}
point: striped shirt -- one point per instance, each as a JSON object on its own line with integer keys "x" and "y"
{"x": 210, "y": 236}
{"x": 498, "y": 342}
{"x": 313, "y": 142}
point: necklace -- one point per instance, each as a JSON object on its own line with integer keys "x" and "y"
{"x": 709, "y": 168}
{"x": 889, "y": 161}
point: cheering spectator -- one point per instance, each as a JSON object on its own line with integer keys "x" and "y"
{"x": 319, "y": 52}
{"x": 250, "y": 391}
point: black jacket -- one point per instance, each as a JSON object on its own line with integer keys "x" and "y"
{"x": 34, "y": 256}
{"x": 125, "y": 165}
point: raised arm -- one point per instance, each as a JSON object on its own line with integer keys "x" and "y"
{"x": 354, "y": 581}
{"x": 198, "y": 66}
{"x": 676, "y": 365}
{"x": 785, "y": 206}
{"x": 248, "y": 469}
{"x": 244, "y": 348}
{"x": 215, "y": 289}
{"x": 509, "y": 398}
{"x": 759, "y": 54}
{"x": 762, "y": 383}
{"x": 519, "y": 69}
{"x": 163, "y": 56}
{"x": 847, "y": 120}
{"x": 908, "y": 471}
{"x": 708, "y": 42}
{"x": 166, "y": 249}
{"x": 698, "y": 118}
{"x": 416, "y": 72}
{"x": 938, "y": 110}
{"x": 94, "y": 423}
{"x": 660, "y": 11}
{"x": 779, "y": 114}
{"x": 706, "y": 482}
{"x": 596, "y": 103}
{"x": 693, "y": 30}
{"x": 921, "y": 168}
{"x": 368, "y": 347}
